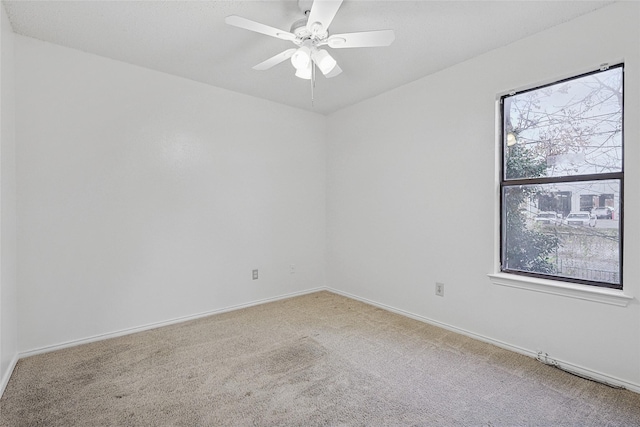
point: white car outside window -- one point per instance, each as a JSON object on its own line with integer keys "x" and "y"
{"x": 581, "y": 218}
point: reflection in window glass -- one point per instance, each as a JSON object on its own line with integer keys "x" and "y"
{"x": 572, "y": 128}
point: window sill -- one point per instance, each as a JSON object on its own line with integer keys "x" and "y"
{"x": 571, "y": 290}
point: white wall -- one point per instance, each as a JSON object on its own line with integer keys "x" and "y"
{"x": 144, "y": 197}
{"x": 8, "y": 287}
{"x": 412, "y": 197}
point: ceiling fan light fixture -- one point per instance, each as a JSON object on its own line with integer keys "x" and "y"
{"x": 324, "y": 61}
{"x": 304, "y": 73}
{"x": 301, "y": 59}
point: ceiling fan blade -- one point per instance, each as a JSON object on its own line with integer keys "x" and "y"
{"x": 247, "y": 24}
{"x": 274, "y": 60}
{"x": 322, "y": 12}
{"x": 336, "y": 70}
{"x": 363, "y": 39}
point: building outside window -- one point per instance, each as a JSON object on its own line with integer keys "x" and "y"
{"x": 562, "y": 180}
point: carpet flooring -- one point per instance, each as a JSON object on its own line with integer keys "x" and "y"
{"x": 315, "y": 360}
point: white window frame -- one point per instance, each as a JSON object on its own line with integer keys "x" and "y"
{"x": 556, "y": 286}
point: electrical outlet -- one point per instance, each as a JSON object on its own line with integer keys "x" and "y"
{"x": 292, "y": 268}
{"x": 440, "y": 289}
{"x": 255, "y": 274}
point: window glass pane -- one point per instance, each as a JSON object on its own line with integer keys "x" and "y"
{"x": 563, "y": 229}
{"x": 570, "y": 128}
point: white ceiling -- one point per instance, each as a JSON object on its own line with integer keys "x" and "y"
{"x": 190, "y": 39}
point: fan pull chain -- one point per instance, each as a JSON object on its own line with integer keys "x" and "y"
{"x": 313, "y": 80}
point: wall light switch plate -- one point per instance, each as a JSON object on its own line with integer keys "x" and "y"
{"x": 440, "y": 289}
{"x": 255, "y": 274}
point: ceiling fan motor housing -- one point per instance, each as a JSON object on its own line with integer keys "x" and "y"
{"x": 299, "y": 28}
{"x": 303, "y": 32}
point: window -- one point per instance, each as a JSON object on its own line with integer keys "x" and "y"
{"x": 562, "y": 180}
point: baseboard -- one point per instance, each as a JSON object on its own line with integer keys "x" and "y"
{"x": 155, "y": 325}
{"x": 566, "y": 366}
{"x": 7, "y": 375}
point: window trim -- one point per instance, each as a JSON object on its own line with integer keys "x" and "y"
{"x": 598, "y": 294}
{"x": 532, "y": 280}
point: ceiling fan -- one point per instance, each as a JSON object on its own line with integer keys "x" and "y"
{"x": 310, "y": 34}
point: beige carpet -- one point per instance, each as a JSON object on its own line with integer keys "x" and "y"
{"x": 318, "y": 359}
